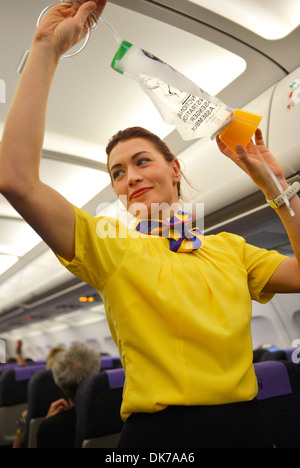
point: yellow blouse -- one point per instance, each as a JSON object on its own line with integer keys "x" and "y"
{"x": 181, "y": 321}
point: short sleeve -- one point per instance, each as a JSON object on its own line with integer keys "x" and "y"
{"x": 260, "y": 264}
{"x": 100, "y": 247}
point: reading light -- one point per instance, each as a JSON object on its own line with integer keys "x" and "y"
{"x": 86, "y": 299}
{"x": 83, "y": 299}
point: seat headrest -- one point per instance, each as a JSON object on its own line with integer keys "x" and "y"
{"x": 116, "y": 378}
{"x": 25, "y": 373}
{"x": 273, "y": 379}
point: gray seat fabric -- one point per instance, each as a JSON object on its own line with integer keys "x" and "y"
{"x": 279, "y": 398}
{"x": 42, "y": 391}
{"x": 98, "y": 403}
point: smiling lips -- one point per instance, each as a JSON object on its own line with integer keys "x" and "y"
{"x": 140, "y": 192}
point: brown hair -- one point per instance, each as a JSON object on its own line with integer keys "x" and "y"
{"x": 139, "y": 132}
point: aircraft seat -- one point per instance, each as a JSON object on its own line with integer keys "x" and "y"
{"x": 293, "y": 355}
{"x": 26, "y": 372}
{"x": 110, "y": 362}
{"x": 279, "y": 397}
{"x": 42, "y": 391}
{"x": 98, "y": 403}
{"x": 278, "y": 355}
{"x": 13, "y": 401}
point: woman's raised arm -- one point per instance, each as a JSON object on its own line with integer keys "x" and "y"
{"x": 49, "y": 214}
{"x": 286, "y": 279}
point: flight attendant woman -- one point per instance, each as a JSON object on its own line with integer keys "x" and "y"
{"x": 180, "y": 315}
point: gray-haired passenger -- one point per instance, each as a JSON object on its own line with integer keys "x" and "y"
{"x": 71, "y": 367}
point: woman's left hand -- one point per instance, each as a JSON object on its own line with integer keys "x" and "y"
{"x": 249, "y": 159}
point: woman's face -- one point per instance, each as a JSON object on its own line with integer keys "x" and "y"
{"x": 142, "y": 177}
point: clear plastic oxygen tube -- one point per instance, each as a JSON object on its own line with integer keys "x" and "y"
{"x": 282, "y": 192}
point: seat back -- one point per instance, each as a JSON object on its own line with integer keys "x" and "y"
{"x": 278, "y": 355}
{"x": 12, "y": 391}
{"x": 25, "y": 373}
{"x": 279, "y": 398}
{"x": 293, "y": 355}
{"x": 13, "y": 401}
{"x": 42, "y": 391}
{"x": 98, "y": 403}
{"x": 110, "y": 362}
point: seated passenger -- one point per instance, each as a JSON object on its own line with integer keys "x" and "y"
{"x": 22, "y": 421}
{"x": 69, "y": 370}
{"x": 22, "y": 362}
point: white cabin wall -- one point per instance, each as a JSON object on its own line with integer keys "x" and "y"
{"x": 278, "y": 322}
{"x": 287, "y": 307}
{"x": 37, "y": 344}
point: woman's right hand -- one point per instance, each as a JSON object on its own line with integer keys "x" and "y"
{"x": 66, "y": 25}
{"x": 43, "y": 208}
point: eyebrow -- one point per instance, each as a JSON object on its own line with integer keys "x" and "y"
{"x": 132, "y": 157}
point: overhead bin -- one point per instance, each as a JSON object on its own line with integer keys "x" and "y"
{"x": 284, "y": 123}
